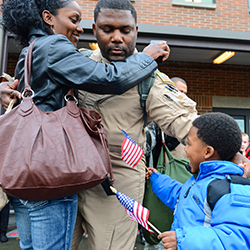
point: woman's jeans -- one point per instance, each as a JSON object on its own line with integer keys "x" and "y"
{"x": 45, "y": 225}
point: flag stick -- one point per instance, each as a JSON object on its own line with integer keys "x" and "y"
{"x": 153, "y": 227}
{"x": 11, "y": 104}
{"x": 113, "y": 189}
{"x": 144, "y": 165}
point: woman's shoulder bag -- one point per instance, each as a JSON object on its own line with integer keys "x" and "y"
{"x": 49, "y": 155}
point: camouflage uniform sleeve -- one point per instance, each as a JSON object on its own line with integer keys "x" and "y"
{"x": 172, "y": 110}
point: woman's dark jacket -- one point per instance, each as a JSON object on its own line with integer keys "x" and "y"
{"x": 57, "y": 66}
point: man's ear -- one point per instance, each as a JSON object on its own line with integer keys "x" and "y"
{"x": 47, "y": 17}
{"x": 94, "y": 29}
{"x": 209, "y": 152}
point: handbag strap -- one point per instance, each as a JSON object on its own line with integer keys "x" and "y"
{"x": 27, "y": 67}
{"x": 27, "y": 73}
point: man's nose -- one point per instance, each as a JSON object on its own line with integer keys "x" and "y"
{"x": 117, "y": 37}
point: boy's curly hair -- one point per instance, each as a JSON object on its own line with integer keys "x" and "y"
{"x": 221, "y": 132}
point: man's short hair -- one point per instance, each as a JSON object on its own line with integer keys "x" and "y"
{"x": 176, "y": 79}
{"x": 220, "y": 131}
{"x": 116, "y": 5}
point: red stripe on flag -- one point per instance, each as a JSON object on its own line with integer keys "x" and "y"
{"x": 131, "y": 153}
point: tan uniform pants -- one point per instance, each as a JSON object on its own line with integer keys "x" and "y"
{"x": 103, "y": 218}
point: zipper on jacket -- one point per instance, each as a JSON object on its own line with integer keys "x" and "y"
{"x": 186, "y": 194}
{"x": 176, "y": 205}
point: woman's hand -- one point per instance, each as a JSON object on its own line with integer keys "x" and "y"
{"x": 8, "y": 92}
{"x": 158, "y": 49}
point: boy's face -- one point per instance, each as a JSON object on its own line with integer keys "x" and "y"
{"x": 244, "y": 143}
{"x": 195, "y": 149}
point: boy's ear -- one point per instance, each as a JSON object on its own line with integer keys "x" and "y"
{"x": 47, "y": 17}
{"x": 209, "y": 152}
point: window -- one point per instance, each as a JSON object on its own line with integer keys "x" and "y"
{"x": 241, "y": 116}
{"x": 210, "y": 4}
{"x": 198, "y": 1}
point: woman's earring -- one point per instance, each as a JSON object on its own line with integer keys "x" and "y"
{"x": 52, "y": 30}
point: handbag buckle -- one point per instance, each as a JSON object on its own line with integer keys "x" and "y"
{"x": 28, "y": 93}
{"x": 68, "y": 97}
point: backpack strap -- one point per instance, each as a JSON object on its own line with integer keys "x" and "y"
{"x": 216, "y": 189}
{"x": 219, "y": 187}
{"x": 150, "y": 143}
{"x": 144, "y": 88}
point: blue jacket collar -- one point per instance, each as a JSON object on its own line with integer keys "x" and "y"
{"x": 219, "y": 167}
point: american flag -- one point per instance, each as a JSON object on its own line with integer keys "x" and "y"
{"x": 134, "y": 210}
{"x": 131, "y": 152}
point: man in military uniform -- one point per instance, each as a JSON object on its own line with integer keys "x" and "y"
{"x": 102, "y": 217}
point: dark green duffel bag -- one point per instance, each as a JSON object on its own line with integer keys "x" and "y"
{"x": 160, "y": 215}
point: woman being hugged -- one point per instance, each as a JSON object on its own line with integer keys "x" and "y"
{"x": 57, "y": 66}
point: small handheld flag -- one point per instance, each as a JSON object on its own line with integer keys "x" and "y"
{"x": 134, "y": 209}
{"x": 131, "y": 152}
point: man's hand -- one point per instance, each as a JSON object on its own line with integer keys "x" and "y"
{"x": 243, "y": 162}
{"x": 157, "y": 49}
{"x": 169, "y": 240}
{"x": 8, "y": 92}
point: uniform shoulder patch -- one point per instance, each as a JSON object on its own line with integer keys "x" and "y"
{"x": 164, "y": 77}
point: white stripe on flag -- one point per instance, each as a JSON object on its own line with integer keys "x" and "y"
{"x": 135, "y": 157}
{"x": 124, "y": 151}
{"x": 129, "y": 151}
{"x": 140, "y": 215}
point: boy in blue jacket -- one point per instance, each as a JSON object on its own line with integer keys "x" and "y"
{"x": 212, "y": 209}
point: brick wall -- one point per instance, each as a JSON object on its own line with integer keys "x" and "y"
{"x": 12, "y": 60}
{"x": 204, "y": 80}
{"x": 228, "y": 15}
{"x": 208, "y": 80}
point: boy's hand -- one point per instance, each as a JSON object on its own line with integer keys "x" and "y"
{"x": 169, "y": 240}
{"x": 150, "y": 171}
{"x": 8, "y": 92}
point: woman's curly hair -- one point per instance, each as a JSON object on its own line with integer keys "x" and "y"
{"x": 20, "y": 15}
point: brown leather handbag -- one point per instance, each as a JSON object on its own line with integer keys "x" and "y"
{"x": 50, "y": 155}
